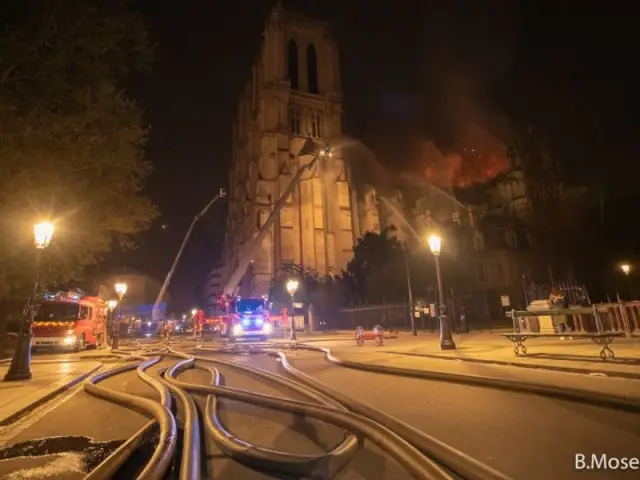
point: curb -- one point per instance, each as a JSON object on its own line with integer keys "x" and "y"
{"x": 351, "y": 338}
{"x": 576, "y": 370}
{"x": 41, "y": 401}
{"x": 586, "y": 397}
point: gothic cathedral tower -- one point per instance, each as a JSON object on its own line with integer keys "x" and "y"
{"x": 294, "y": 94}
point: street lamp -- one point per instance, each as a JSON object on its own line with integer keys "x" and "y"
{"x": 111, "y": 306}
{"x": 446, "y": 340}
{"x": 292, "y": 287}
{"x": 43, "y": 233}
{"x": 20, "y": 368}
{"x": 626, "y": 269}
{"x": 194, "y": 311}
{"x": 121, "y": 290}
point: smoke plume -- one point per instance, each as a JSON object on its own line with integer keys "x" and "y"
{"x": 468, "y": 46}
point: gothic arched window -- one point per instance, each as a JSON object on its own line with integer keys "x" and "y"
{"x": 314, "y": 124}
{"x": 312, "y": 69}
{"x": 293, "y": 64}
{"x": 294, "y": 120}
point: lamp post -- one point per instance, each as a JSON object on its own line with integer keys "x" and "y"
{"x": 121, "y": 290}
{"x": 414, "y": 331}
{"x": 292, "y": 287}
{"x": 626, "y": 269}
{"x": 20, "y": 368}
{"x": 111, "y": 305}
{"x": 446, "y": 340}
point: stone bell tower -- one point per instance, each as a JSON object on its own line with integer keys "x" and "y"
{"x": 294, "y": 94}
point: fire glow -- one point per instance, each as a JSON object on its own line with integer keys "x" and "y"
{"x": 477, "y": 157}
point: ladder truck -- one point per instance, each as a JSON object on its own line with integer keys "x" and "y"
{"x": 249, "y": 317}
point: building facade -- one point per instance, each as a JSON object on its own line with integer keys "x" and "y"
{"x": 294, "y": 94}
{"x": 212, "y": 286}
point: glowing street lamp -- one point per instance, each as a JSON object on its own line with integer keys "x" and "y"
{"x": 194, "y": 311}
{"x": 43, "y": 233}
{"x": 446, "y": 340}
{"x": 121, "y": 291}
{"x": 111, "y": 306}
{"x": 626, "y": 269}
{"x": 435, "y": 244}
{"x": 292, "y": 287}
{"x": 20, "y": 368}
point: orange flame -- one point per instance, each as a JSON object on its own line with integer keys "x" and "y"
{"x": 478, "y": 157}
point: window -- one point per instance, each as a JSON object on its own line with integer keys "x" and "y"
{"x": 294, "y": 120}
{"x": 312, "y": 69}
{"x": 293, "y": 64}
{"x": 56, "y": 311}
{"x": 316, "y": 124}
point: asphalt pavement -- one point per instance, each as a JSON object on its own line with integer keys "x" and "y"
{"x": 523, "y": 436}
{"x": 74, "y": 434}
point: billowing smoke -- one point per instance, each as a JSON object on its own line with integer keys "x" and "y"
{"x": 468, "y": 48}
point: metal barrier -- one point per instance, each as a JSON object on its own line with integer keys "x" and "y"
{"x": 389, "y": 316}
{"x": 604, "y": 317}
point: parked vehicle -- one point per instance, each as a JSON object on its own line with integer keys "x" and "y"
{"x": 69, "y": 321}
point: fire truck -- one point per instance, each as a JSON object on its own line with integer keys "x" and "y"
{"x": 245, "y": 317}
{"x": 69, "y": 321}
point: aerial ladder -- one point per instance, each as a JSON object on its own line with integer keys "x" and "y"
{"x": 252, "y": 246}
{"x": 250, "y": 249}
{"x": 155, "y": 313}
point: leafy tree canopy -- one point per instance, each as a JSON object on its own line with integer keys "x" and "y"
{"x": 71, "y": 141}
{"x": 326, "y": 293}
{"x": 377, "y": 272}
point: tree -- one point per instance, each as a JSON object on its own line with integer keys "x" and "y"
{"x": 377, "y": 272}
{"x": 71, "y": 140}
{"x": 326, "y": 293}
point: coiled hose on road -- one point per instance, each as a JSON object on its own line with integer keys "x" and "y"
{"x": 455, "y": 460}
{"x": 160, "y": 411}
{"x": 328, "y": 409}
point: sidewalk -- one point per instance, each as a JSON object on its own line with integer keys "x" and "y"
{"x": 577, "y": 356}
{"x": 49, "y": 379}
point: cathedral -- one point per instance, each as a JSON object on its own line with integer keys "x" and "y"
{"x": 294, "y": 94}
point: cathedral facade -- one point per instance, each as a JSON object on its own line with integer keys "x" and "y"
{"x": 294, "y": 94}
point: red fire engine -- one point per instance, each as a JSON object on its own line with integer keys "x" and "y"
{"x": 69, "y": 320}
{"x": 245, "y": 317}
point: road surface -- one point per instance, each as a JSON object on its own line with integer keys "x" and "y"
{"x": 81, "y": 415}
{"x": 524, "y": 436}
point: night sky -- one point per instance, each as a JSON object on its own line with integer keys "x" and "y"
{"x": 410, "y": 70}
